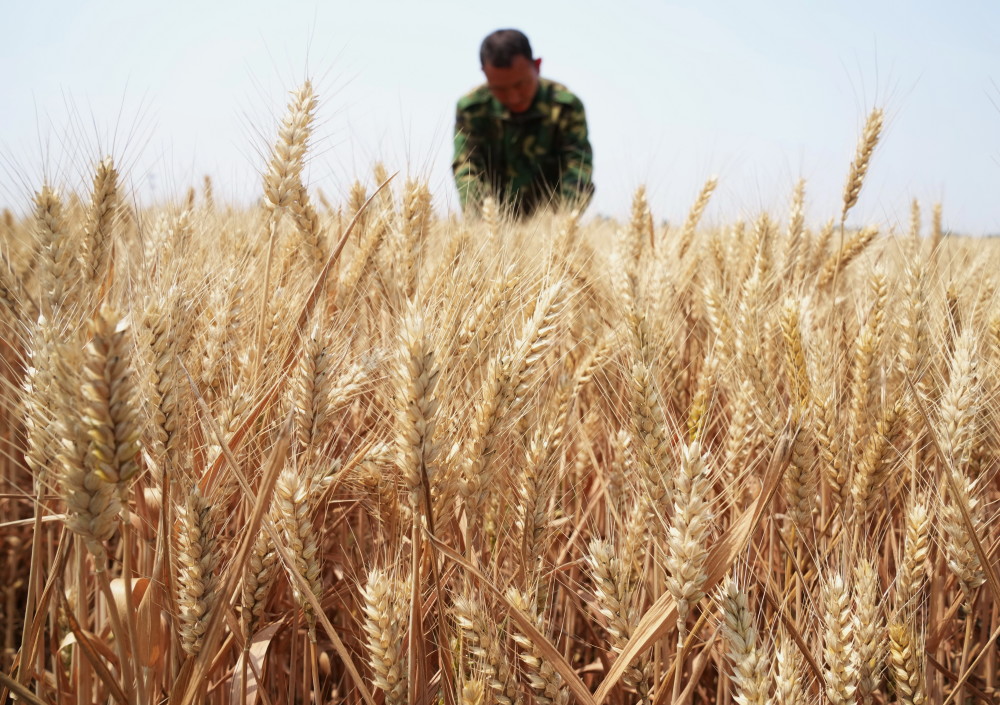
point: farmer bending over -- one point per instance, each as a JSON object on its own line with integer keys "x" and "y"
{"x": 520, "y": 138}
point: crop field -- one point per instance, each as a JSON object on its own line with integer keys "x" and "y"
{"x": 360, "y": 451}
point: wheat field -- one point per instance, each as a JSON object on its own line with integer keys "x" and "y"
{"x": 360, "y": 452}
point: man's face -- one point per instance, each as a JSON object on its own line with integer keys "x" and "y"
{"x": 514, "y": 86}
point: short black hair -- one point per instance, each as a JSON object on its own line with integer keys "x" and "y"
{"x": 500, "y": 48}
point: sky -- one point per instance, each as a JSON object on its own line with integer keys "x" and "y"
{"x": 758, "y": 93}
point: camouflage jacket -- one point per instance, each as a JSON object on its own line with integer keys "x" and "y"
{"x": 525, "y": 160}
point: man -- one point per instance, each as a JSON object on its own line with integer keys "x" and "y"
{"x": 520, "y": 138}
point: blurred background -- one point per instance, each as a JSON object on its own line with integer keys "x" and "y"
{"x": 759, "y": 94}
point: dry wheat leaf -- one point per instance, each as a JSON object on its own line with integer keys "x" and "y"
{"x": 258, "y": 652}
{"x": 150, "y": 645}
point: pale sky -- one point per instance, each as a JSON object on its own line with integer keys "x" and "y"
{"x": 759, "y": 93}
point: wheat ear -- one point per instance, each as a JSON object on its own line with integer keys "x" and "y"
{"x": 480, "y": 327}
{"x": 851, "y": 250}
{"x": 535, "y": 341}
{"x": 877, "y": 460}
{"x": 386, "y": 602}
{"x": 749, "y": 663}
{"x": 687, "y": 548}
{"x": 960, "y": 402}
{"x": 416, "y": 221}
{"x": 543, "y": 679}
{"x": 867, "y": 368}
{"x": 616, "y": 592}
{"x": 165, "y": 386}
{"x": 93, "y": 502}
{"x": 914, "y": 347}
{"x": 310, "y": 230}
{"x": 869, "y": 631}
{"x": 485, "y": 650}
{"x": 309, "y": 392}
{"x": 937, "y": 232}
{"x": 862, "y": 158}
{"x": 788, "y": 688}
{"x": 293, "y": 509}
{"x": 907, "y": 664}
{"x": 959, "y": 543}
{"x": 639, "y": 227}
{"x": 840, "y": 677}
{"x": 795, "y": 258}
{"x": 694, "y": 215}
{"x": 40, "y": 400}
{"x": 101, "y": 217}
{"x": 57, "y": 273}
{"x": 258, "y": 578}
{"x": 801, "y": 478}
{"x": 755, "y": 383}
{"x": 959, "y": 410}
{"x": 416, "y": 375}
{"x": 491, "y": 216}
{"x": 198, "y": 557}
{"x": 473, "y": 692}
{"x": 912, "y": 575}
{"x": 282, "y": 182}
{"x": 111, "y": 406}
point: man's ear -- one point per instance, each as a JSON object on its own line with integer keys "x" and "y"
{"x": 538, "y": 64}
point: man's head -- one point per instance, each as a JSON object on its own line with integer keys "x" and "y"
{"x": 511, "y": 70}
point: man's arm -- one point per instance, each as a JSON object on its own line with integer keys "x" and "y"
{"x": 469, "y": 164}
{"x": 577, "y": 158}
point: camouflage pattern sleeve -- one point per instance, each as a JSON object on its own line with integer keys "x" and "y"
{"x": 467, "y": 164}
{"x": 576, "y": 155}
